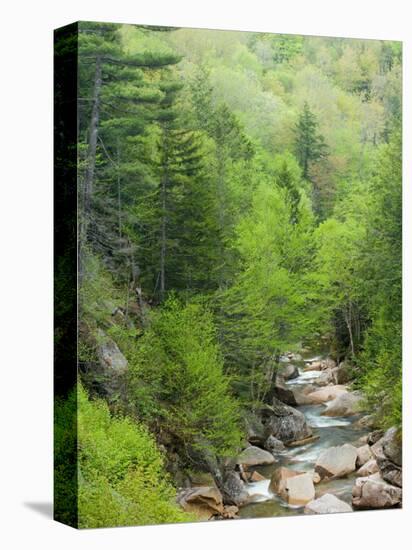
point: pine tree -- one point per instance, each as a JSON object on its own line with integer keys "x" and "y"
{"x": 310, "y": 146}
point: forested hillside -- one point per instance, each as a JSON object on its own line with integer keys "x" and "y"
{"x": 239, "y": 201}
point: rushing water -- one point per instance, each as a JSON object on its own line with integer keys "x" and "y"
{"x": 332, "y": 431}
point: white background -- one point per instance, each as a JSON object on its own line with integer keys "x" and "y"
{"x": 26, "y": 270}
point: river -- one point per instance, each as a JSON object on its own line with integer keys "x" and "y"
{"x": 331, "y": 431}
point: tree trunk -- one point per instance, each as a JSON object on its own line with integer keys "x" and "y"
{"x": 94, "y": 125}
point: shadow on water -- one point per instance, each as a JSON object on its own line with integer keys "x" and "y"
{"x": 45, "y": 509}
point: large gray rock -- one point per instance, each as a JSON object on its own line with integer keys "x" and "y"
{"x": 274, "y": 445}
{"x": 285, "y": 393}
{"x": 345, "y": 404}
{"x": 234, "y": 489}
{"x": 368, "y": 493}
{"x": 327, "y": 504}
{"x": 336, "y": 461}
{"x": 111, "y": 358}
{"x": 285, "y": 422}
{"x": 112, "y": 365}
{"x": 254, "y": 456}
{"x": 289, "y": 371}
{"x": 387, "y": 450}
{"x": 255, "y": 430}
{"x": 392, "y": 446}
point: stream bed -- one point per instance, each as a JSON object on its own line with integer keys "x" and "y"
{"x": 332, "y": 431}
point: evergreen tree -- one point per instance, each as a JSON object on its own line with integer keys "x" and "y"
{"x": 310, "y": 146}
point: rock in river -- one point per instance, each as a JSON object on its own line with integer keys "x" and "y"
{"x": 345, "y": 404}
{"x": 371, "y": 467}
{"x": 296, "y": 488}
{"x": 289, "y": 371}
{"x": 368, "y": 493}
{"x": 364, "y": 455}
{"x": 325, "y": 394}
{"x": 285, "y": 422}
{"x": 336, "y": 461}
{"x": 327, "y": 504}
{"x": 253, "y": 456}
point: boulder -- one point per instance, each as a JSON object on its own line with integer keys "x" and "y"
{"x": 326, "y": 394}
{"x": 392, "y": 446}
{"x": 336, "y": 461}
{"x": 390, "y": 470}
{"x": 255, "y": 430}
{"x": 345, "y": 404}
{"x": 300, "y": 490}
{"x": 112, "y": 364}
{"x": 364, "y": 455}
{"x": 278, "y": 480}
{"x": 369, "y": 468}
{"x": 254, "y": 456}
{"x": 327, "y": 504}
{"x": 285, "y": 393}
{"x": 314, "y": 365}
{"x": 369, "y": 493}
{"x": 367, "y": 421}
{"x": 328, "y": 363}
{"x": 289, "y": 371}
{"x": 296, "y": 488}
{"x": 285, "y": 422}
{"x": 233, "y": 489}
{"x": 204, "y": 502}
{"x": 274, "y": 445}
{"x": 110, "y": 357}
{"x": 327, "y": 378}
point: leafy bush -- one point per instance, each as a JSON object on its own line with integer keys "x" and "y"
{"x": 122, "y": 480}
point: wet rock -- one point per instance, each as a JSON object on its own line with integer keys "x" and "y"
{"x": 327, "y": 504}
{"x": 389, "y": 446}
{"x": 336, "y": 461}
{"x": 300, "y": 490}
{"x": 364, "y": 455}
{"x": 204, "y": 502}
{"x": 345, "y": 404}
{"x": 373, "y": 494}
{"x": 315, "y": 365}
{"x": 289, "y": 371}
{"x": 254, "y": 456}
{"x": 274, "y": 445}
{"x": 326, "y": 394}
{"x": 294, "y": 487}
{"x": 279, "y": 477}
{"x": 369, "y": 468}
{"x": 285, "y": 422}
{"x": 234, "y": 489}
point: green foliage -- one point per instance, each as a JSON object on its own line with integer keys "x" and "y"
{"x": 122, "y": 480}
{"x": 177, "y": 380}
